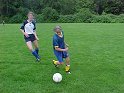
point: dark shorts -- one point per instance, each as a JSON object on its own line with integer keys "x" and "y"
{"x": 60, "y": 55}
{"x": 30, "y": 38}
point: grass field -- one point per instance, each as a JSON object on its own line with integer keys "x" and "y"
{"x": 97, "y": 60}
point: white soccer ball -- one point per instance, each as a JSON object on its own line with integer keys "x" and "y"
{"x": 57, "y": 77}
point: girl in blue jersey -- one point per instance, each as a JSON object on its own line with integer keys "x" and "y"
{"x": 60, "y": 49}
{"x": 29, "y": 31}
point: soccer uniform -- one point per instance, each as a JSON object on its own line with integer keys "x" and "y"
{"x": 59, "y": 42}
{"x": 29, "y": 28}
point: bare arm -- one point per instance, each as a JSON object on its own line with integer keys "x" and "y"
{"x": 59, "y": 49}
{"x": 66, "y": 45}
{"x": 24, "y": 33}
{"x": 35, "y": 34}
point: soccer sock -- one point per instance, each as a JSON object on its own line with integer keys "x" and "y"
{"x": 37, "y": 50}
{"x": 67, "y": 68}
{"x": 35, "y": 54}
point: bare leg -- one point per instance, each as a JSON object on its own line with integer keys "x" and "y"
{"x": 35, "y": 44}
{"x": 67, "y": 68}
{"x": 67, "y": 61}
{"x": 29, "y": 45}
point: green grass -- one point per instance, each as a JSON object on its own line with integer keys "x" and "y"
{"x": 97, "y": 60}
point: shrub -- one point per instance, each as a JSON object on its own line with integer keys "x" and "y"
{"x": 50, "y": 15}
{"x": 67, "y": 18}
{"x": 84, "y": 15}
{"x": 120, "y": 18}
{"x": 101, "y": 19}
{"x": 39, "y": 18}
{"x": 16, "y": 19}
{"x": 3, "y": 18}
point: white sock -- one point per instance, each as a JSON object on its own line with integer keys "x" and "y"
{"x": 68, "y": 65}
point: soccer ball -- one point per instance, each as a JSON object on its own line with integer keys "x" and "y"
{"x": 57, "y": 77}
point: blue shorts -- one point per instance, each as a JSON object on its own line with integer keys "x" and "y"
{"x": 30, "y": 38}
{"x": 60, "y": 55}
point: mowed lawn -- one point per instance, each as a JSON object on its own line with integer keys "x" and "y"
{"x": 97, "y": 60}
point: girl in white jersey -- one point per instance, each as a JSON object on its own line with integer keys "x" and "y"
{"x": 28, "y": 29}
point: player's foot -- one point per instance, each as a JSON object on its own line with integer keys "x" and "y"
{"x": 55, "y": 64}
{"x": 67, "y": 69}
{"x": 68, "y": 72}
{"x": 37, "y": 59}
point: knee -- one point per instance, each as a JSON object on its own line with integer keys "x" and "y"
{"x": 30, "y": 49}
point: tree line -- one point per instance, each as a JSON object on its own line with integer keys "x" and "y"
{"x": 89, "y": 11}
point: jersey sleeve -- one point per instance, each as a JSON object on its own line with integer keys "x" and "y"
{"x": 23, "y": 25}
{"x": 55, "y": 42}
{"x": 34, "y": 26}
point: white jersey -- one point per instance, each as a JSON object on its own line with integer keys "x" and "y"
{"x": 28, "y": 27}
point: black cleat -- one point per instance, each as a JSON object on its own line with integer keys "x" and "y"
{"x": 68, "y": 72}
{"x": 37, "y": 59}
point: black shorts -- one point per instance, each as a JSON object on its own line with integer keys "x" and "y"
{"x": 30, "y": 38}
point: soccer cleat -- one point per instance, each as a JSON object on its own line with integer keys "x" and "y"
{"x": 67, "y": 69}
{"x": 37, "y": 59}
{"x": 55, "y": 64}
{"x": 68, "y": 72}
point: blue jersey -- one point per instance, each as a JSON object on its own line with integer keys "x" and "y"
{"x": 58, "y": 41}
